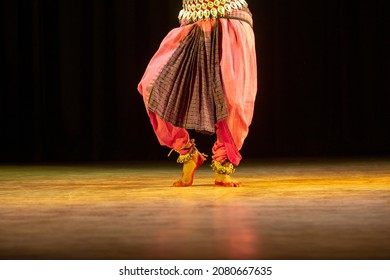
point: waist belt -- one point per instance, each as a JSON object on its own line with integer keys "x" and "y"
{"x": 194, "y": 10}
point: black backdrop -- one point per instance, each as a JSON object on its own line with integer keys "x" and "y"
{"x": 69, "y": 71}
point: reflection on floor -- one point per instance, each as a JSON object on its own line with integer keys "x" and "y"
{"x": 291, "y": 209}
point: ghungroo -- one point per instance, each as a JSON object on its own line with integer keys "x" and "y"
{"x": 192, "y": 150}
{"x": 182, "y": 159}
{"x": 220, "y": 168}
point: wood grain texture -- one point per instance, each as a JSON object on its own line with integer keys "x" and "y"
{"x": 287, "y": 209}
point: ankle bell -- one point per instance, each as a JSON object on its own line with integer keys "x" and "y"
{"x": 222, "y": 169}
{"x": 182, "y": 159}
{"x": 189, "y": 155}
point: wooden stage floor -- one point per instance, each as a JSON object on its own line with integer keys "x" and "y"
{"x": 287, "y": 209}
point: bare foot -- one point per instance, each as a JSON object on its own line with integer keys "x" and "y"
{"x": 223, "y": 180}
{"x": 189, "y": 168}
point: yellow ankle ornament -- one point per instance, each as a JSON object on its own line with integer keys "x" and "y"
{"x": 221, "y": 169}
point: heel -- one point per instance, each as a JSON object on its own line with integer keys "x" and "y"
{"x": 201, "y": 159}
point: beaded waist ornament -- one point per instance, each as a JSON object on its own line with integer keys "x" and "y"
{"x": 194, "y": 10}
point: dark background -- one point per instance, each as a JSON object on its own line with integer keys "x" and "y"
{"x": 70, "y": 68}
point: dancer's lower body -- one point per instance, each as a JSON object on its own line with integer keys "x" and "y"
{"x": 238, "y": 73}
